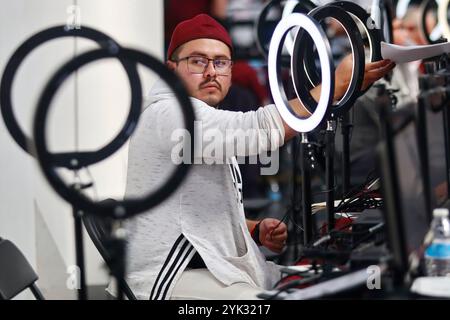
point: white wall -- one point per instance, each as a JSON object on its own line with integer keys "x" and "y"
{"x": 31, "y": 214}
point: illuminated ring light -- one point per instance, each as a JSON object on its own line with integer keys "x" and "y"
{"x": 437, "y": 31}
{"x": 443, "y": 18}
{"x": 302, "y": 6}
{"x": 291, "y": 6}
{"x": 323, "y": 47}
{"x": 304, "y": 61}
{"x": 26, "y": 48}
{"x": 128, "y": 207}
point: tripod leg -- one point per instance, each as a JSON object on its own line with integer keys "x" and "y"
{"x": 79, "y": 249}
{"x": 306, "y": 192}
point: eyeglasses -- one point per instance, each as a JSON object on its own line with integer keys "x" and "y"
{"x": 198, "y": 64}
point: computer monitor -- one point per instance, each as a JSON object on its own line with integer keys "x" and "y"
{"x": 436, "y": 158}
{"x": 405, "y": 204}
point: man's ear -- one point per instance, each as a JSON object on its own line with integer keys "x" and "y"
{"x": 171, "y": 65}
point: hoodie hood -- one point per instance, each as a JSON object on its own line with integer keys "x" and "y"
{"x": 161, "y": 91}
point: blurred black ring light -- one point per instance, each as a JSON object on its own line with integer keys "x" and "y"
{"x": 382, "y": 12}
{"x": 443, "y": 18}
{"x": 304, "y": 62}
{"x": 436, "y": 33}
{"x": 26, "y": 48}
{"x": 303, "y": 6}
{"x": 291, "y": 6}
{"x": 261, "y": 23}
{"x": 314, "y": 29}
{"x": 128, "y": 207}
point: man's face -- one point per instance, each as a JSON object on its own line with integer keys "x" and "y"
{"x": 208, "y": 86}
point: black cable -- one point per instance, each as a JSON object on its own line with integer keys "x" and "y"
{"x": 334, "y": 232}
{"x": 291, "y": 273}
{"x": 287, "y": 216}
{"x": 371, "y": 232}
{"x": 355, "y": 189}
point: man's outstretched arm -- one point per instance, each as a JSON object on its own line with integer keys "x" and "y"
{"x": 373, "y": 72}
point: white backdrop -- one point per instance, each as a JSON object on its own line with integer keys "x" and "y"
{"x": 89, "y": 109}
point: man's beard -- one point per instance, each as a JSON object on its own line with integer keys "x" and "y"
{"x": 219, "y": 87}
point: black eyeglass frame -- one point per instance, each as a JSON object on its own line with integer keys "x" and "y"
{"x": 206, "y": 66}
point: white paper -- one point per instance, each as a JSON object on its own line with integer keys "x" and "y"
{"x": 401, "y": 54}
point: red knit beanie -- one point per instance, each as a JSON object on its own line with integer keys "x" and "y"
{"x": 201, "y": 26}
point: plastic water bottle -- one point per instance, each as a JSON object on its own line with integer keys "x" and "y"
{"x": 437, "y": 254}
{"x": 274, "y": 193}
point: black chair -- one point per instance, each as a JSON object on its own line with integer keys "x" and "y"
{"x": 99, "y": 230}
{"x": 16, "y": 274}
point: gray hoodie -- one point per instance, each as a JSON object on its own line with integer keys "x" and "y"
{"x": 205, "y": 214}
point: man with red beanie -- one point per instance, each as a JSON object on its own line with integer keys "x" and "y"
{"x": 198, "y": 244}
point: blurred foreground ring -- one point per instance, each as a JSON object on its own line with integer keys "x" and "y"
{"x": 24, "y": 50}
{"x": 49, "y": 162}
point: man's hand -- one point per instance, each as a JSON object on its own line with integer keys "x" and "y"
{"x": 273, "y": 234}
{"x": 373, "y": 71}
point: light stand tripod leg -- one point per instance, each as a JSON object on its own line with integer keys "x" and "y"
{"x": 79, "y": 249}
{"x": 329, "y": 164}
{"x": 118, "y": 243}
{"x": 345, "y": 128}
{"x": 306, "y": 192}
{"x": 297, "y": 189}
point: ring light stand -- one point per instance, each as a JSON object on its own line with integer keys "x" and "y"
{"x": 26, "y": 143}
{"x": 326, "y": 95}
{"x": 302, "y": 69}
{"x": 364, "y": 21}
{"x": 76, "y": 160}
